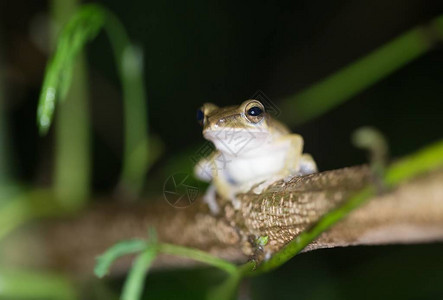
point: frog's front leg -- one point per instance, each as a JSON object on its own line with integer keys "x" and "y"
{"x": 210, "y": 198}
{"x": 225, "y": 189}
{"x": 212, "y": 169}
{"x": 307, "y": 165}
{"x": 204, "y": 170}
{"x": 293, "y": 157}
{"x": 295, "y": 163}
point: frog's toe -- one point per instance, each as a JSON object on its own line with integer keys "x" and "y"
{"x": 258, "y": 189}
{"x": 202, "y": 171}
{"x": 265, "y": 184}
{"x": 210, "y": 198}
{"x": 288, "y": 178}
{"x": 236, "y": 203}
{"x": 307, "y": 165}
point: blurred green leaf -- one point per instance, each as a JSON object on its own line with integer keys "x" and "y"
{"x": 372, "y": 140}
{"x": 5, "y": 153}
{"x": 19, "y": 284}
{"x": 134, "y": 283}
{"x": 83, "y": 27}
{"x": 19, "y": 205}
{"x": 422, "y": 161}
{"x": 361, "y": 74}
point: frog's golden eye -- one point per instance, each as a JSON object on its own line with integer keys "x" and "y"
{"x": 254, "y": 111}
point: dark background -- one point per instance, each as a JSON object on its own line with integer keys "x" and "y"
{"x": 223, "y": 52}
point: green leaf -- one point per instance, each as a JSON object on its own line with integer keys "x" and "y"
{"x": 133, "y": 287}
{"x": 105, "y": 260}
{"x": 83, "y": 27}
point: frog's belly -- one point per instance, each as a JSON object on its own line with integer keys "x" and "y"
{"x": 256, "y": 168}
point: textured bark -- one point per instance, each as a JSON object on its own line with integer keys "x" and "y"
{"x": 411, "y": 213}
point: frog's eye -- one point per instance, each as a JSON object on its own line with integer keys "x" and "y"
{"x": 254, "y": 111}
{"x": 200, "y": 117}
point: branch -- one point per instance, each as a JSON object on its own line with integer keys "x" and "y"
{"x": 412, "y": 213}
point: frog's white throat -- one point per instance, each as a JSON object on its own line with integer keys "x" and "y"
{"x": 238, "y": 142}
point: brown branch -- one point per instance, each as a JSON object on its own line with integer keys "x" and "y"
{"x": 412, "y": 213}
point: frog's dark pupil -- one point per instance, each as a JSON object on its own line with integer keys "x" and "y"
{"x": 200, "y": 116}
{"x": 255, "y": 111}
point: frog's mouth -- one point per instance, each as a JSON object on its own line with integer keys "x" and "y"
{"x": 227, "y": 133}
{"x": 236, "y": 140}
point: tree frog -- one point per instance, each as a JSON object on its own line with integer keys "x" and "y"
{"x": 253, "y": 150}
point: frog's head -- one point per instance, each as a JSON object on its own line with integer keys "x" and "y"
{"x": 236, "y": 129}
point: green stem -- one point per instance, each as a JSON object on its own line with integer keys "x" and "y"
{"x": 105, "y": 260}
{"x": 227, "y": 289}
{"x": 73, "y": 162}
{"x": 198, "y": 255}
{"x": 129, "y": 62}
{"x": 5, "y": 156}
{"x": 133, "y": 287}
{"x": 425, "y": 160}
{"x": 358, "y": 76}
{"x": 72, "y": 166}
